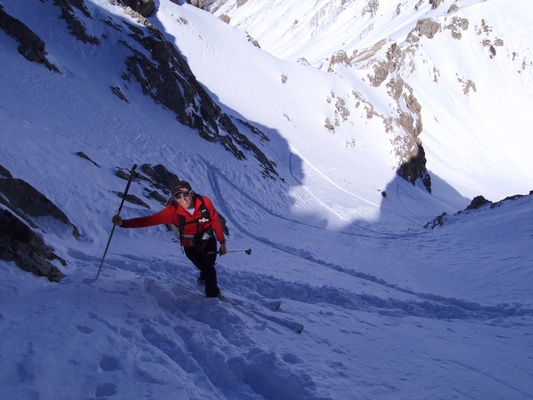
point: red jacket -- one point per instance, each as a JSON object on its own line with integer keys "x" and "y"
{"x": 169, "y": 215}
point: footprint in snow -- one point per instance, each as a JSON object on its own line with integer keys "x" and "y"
{"x": 106, "y": 389}
{"x": 109, "y": 363}
{"x": 84, "y": 329}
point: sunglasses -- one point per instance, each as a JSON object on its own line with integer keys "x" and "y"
{"x": 179, "y": 195}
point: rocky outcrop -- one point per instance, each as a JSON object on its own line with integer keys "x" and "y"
{"x": 165, "y": 76}
{"x": 435, "y": 3}
{"x": 27, "y": 249}
{"x": 414, "y": 168}
{"x": 478, "y": 203}
{"x": 143, "y": 7}
{"x": 427, "y": 27}
{"x": 30, "y": 45}
{"x": 74, "y": 24}
{"x": 30, "y": 204}
{"x": 157, "y": 180}
{"x": 161, "y": 177}
{"x": 24, "y": 208}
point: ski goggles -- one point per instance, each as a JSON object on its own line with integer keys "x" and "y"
{"x": 179, "y": 195}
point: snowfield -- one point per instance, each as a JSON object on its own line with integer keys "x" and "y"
{"x": 390, "y": 309}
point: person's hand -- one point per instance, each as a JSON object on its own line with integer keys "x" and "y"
{"x": 117, "y": 220}
{"x": 222, "y": 250}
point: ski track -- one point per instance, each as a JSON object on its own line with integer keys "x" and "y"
{"x": 205, "y": 342}
{"x": 424, "y": 305}
{"x": 185, "y": 333}
{"x": 420, "y": 222}
{"x": 226, "y": 328}
{"x": 295, "y": 152}
{"x": 213, "y": 172}
{"x": 381, "y": 207}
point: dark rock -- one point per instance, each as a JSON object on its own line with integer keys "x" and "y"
{"x": 20, "y": 244}
{"x": 161, "y": 177}
{"x": 478, "y": 202}
{"x": 164, "y": 75}
{"x": 508, "y": 198}
{"x": 75, "y": 25}
{"x": 154, "y": 194}
{"x": 438, "y": 221}
{"x": 4, "y": 173}
{"x": 143, "y": 7}
{"x": 29, "y": 202}
{"x": 131, "y": 198}
{"x": 30, "y": 45}
{"x": 123, "y": 174}
{"x": 415, "y": 168}
{"x": 86, "y": 157}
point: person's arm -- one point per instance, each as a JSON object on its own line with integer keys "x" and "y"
{"x": 165, "y": 216}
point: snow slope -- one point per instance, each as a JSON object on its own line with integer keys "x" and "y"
{"x": 390, "y": 310}
{"x": 491, "y": 119}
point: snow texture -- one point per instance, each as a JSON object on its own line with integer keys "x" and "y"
{"x": 390, "y": 309}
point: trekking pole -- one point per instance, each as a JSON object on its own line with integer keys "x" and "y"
{"x": 247, "y": 251}
{"x": 132, "y": 174}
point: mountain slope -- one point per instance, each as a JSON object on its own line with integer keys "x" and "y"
{"x": 466, "y": 66}
{"x": 390, "y": 309}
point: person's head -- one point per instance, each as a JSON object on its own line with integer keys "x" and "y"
{"x": 184, "y": 194}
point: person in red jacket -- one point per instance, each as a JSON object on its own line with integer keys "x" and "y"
{"x": 199, "y": 229}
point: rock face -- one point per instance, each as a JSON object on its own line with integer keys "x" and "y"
{"x": 28, "y": 203}
{"x": 30, "y": 45}
{"x": 20, "y": 244}
{"x": 414, "y": 168}
{"x": 161, "y": 177}
{"x": 19, "y": 221}
{"x": 143, "y": 7}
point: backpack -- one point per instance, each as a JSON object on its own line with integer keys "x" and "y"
{"x": 198, "y": 240}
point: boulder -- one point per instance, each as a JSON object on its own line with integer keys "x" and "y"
{"x": 143, "y": 7}
{"x": 27, "y": 249}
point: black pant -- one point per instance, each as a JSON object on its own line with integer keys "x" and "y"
{"x": 204, "y": 260}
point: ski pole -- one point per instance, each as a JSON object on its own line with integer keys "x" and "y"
{"x": 132, "y": 174}
{"x": 247, "y": 251}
